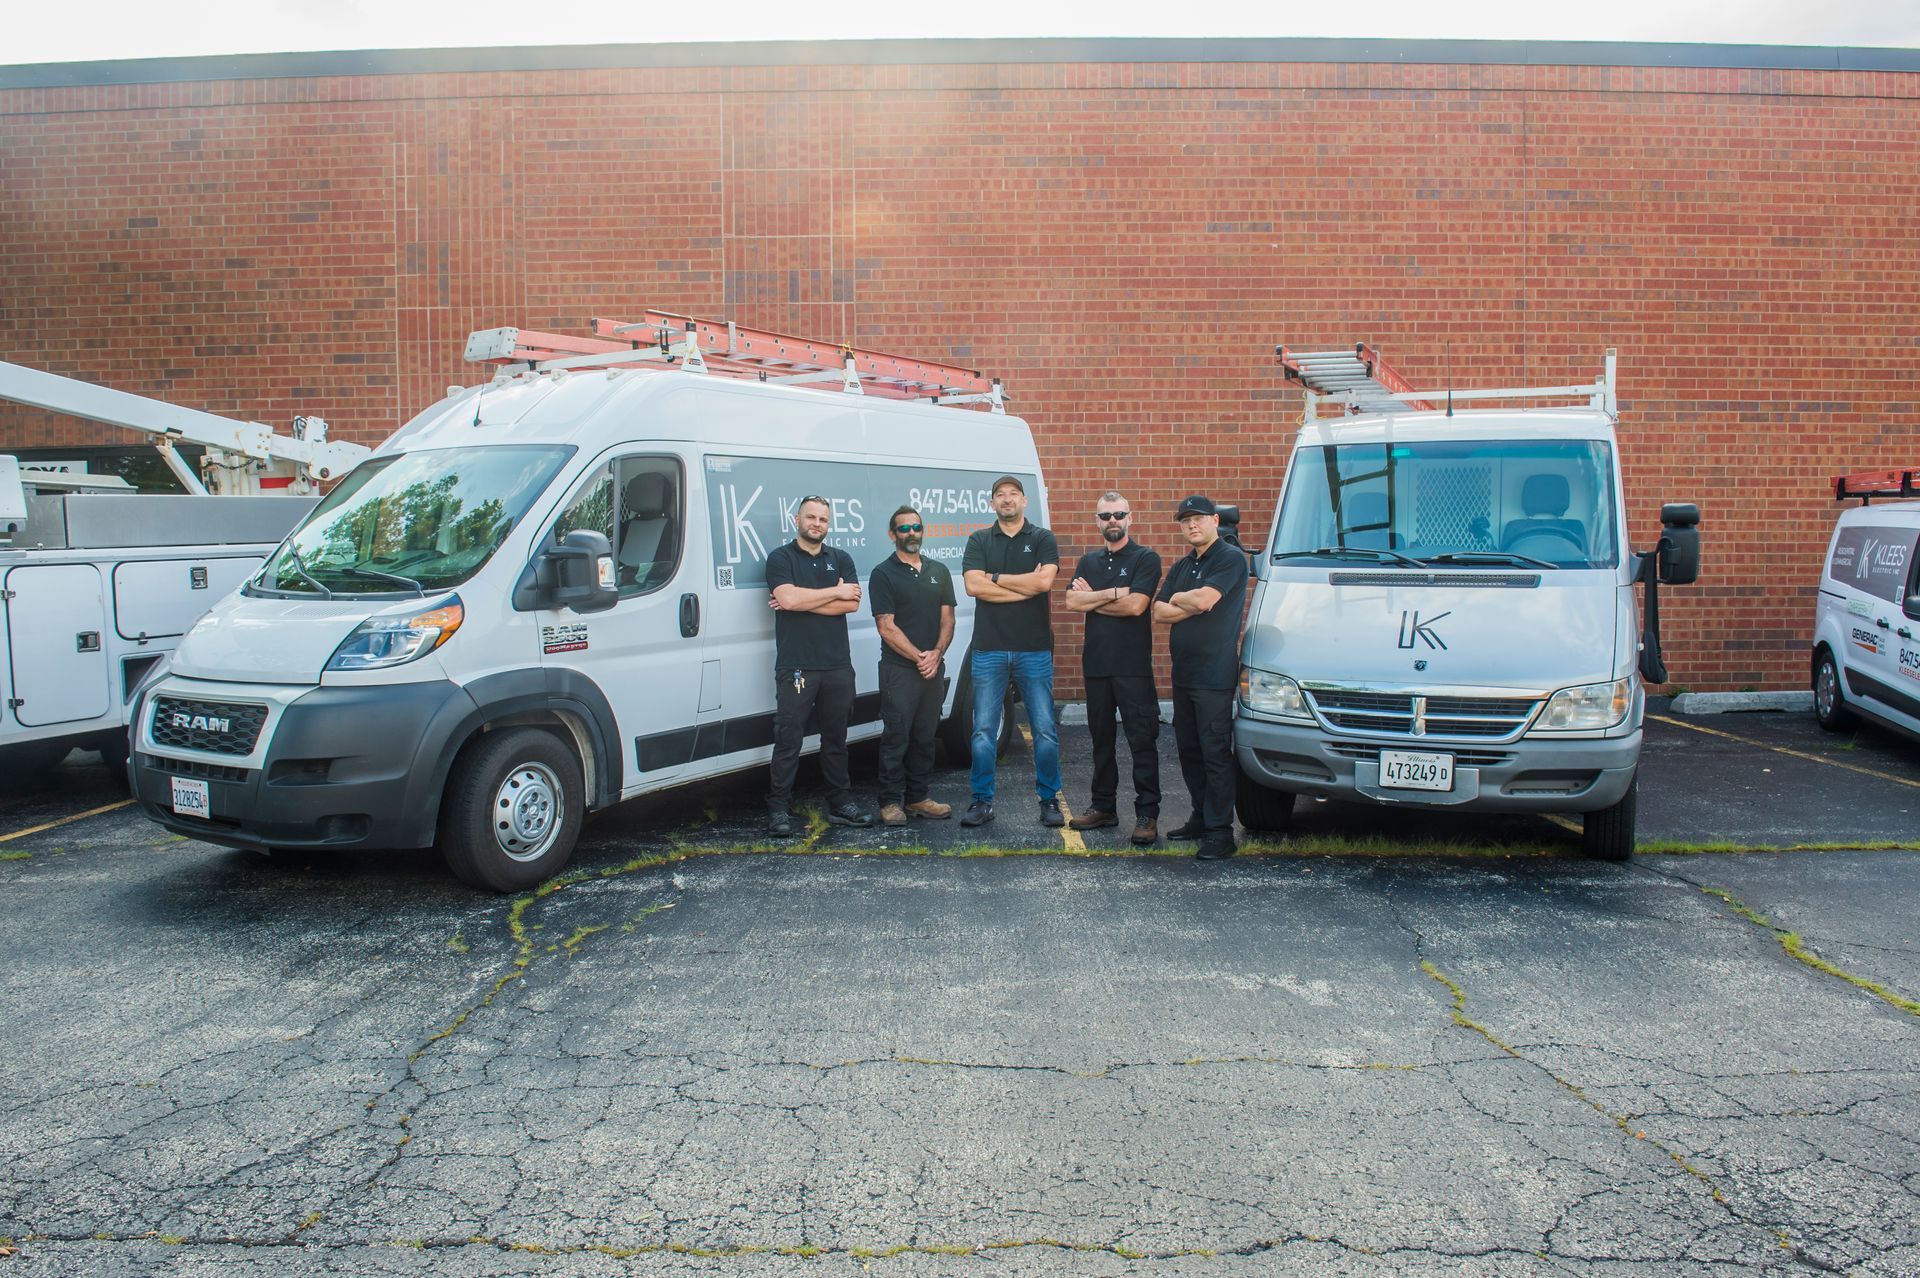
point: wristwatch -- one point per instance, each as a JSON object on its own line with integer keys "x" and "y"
{"x": 995, "y": 579}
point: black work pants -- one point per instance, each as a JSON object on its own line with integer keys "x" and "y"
{"x": 1203, "y": 727}
{"x": 1138, "y": 702}
{"x": 827, "y": 697}
{"x": 909, "y": 713}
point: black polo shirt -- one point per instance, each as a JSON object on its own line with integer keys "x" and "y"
{"x": 915, "y": 597}
{"x": 1026, "y": 626}
{"x": 1206, "y": 648}
{"x": 1119, "y": 645}
{"x": 809, "y": 640}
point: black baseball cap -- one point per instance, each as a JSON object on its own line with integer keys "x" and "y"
{"x": 1003, "y": 481}
{"x": 1198, "y": 504}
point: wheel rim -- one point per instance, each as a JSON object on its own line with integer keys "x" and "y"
{"x": 1826, "y": 690}
{"x": 527, "y": 812}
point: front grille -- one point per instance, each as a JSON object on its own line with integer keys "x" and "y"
{"x": 1499, "y": 580}
{"x": 195, "y": 768}
{"x": 218, "y": 727}
{"x": 1461, "y": 758}
{"x": 1393, "y": 713}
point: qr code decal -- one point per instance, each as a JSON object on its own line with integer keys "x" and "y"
{"x": 726, "y": 577}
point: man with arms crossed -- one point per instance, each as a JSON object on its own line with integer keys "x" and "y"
{"x": 1202, "y": 600}
{"x": 1009, "y": 567}
{"x": 1114, "y": 587}
{"x": 912, "y": 601}
{"x": 813, "y": 586}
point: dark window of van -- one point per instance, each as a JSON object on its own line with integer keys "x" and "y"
{"x": 646, "y": 549}
{"x": 1875, "y": 559}
{"x": 1913, "y": 581}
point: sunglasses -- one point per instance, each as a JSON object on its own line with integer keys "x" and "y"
{"x": 908, "y": 528}
{"x": 1104, "y": 515}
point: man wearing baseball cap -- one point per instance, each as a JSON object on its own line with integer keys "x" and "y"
{"x": 1009, "y": 567}
{"x": 1201, "y": 601}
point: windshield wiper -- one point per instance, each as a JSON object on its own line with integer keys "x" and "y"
{"x": 377, "y": 575}
{"x": 301, "y": 568}
{"x": 1489, "y": 557}
{"x": 1351, "y": 552}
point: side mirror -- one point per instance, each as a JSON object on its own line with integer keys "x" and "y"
{"x": 576, "y": 572}
{"x": 1679, "y": 554}
{"x": 1230, "y": 533}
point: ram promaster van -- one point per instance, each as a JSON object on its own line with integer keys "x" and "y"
{"x": 547, "y": 594}
{"x": 1445, "y": 616}
{"x": 1866, "y": 659}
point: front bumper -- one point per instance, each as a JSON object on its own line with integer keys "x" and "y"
{"x": 1528, "y": 775}
{"x": 345, "y": 767}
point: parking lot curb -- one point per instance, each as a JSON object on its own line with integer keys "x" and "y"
{"x": 1731, "y": 702}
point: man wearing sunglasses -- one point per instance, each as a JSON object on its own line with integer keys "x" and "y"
{"x": 912, "y": 601}
{"x": 1114, "y": 587}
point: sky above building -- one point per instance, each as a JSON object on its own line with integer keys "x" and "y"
{"x": 110, "y": 29}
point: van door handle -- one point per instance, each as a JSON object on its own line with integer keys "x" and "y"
{"x": 1904, "y": 633}
{"x": 1884, "y": 624}
{"x": 689, "y": 616}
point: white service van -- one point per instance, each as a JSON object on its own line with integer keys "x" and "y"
{"x": 1866, "y": 659}
{"x": 1445, "y": 615}
{"x": 97, "y": 584}
{"x": 547, "y": 594}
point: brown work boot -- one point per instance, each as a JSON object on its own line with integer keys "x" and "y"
{"x": 892, "y": 814}
{"x": 1094, "y": 819}
{"x": 1146, "y": 832}
{"x": 931, "y": 810}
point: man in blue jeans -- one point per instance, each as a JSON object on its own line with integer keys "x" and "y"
{"x": 1009, "y": 567}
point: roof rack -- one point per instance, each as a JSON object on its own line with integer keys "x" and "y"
{"x": 1361, "y": 381}
{"x": 723, "y": 347}
{"x": 1877, "y": 483}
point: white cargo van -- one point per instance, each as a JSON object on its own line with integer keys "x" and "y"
{"x": 547, "y": 594}
{"x": 1866, "y": 659}
{"x": 1445, "y": 615}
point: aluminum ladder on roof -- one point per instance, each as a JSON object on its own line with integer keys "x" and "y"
{"x": 721, "y": 346}
{"x": 1363, "y": 383}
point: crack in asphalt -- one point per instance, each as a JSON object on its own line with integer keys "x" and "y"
{"x": 1796, "y": 949}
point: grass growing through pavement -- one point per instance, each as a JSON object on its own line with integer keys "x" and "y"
{"x": 1797, "y": 950}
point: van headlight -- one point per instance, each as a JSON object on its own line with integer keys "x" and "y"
{"x": 1587, "y": 708}
{"x": 1272, "y": 694}
{"x": 379, "y": 642}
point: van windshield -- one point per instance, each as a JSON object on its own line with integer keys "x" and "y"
{"x": 1529, "y": 503}
{"x": 410, "y": 524}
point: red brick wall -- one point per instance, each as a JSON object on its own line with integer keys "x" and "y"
{"x": 1123, "y": 243}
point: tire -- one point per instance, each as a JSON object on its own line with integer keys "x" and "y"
{"x": 1829, "y": 703}
{"x": 955, "y": 733}
{"x": 512, "y": 810}
{"x": 1607, "y": 834}
{"x": 1260, "y": 809}
{"x": 114, "y": 752}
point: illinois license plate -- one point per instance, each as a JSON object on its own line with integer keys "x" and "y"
{"x": 190, "y": 798}
{"x": 1410, "y": 770}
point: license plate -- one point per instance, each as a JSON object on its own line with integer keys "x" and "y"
{"x": 1408, "y": 770}
{"x": 190, "y": 798}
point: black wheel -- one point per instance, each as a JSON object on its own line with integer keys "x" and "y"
{"x": 955, "y": 733}
{"x": 512, "y": 811}
{"x": 1829, "y": 703}
{"x": 1260, "y": 809}
{"x": 1607, "y": 835}
{"x": 114, "y": 752}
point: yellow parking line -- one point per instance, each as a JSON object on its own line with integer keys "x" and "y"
{"x": 66, "y": 820}
{"x": 1796, "y": 754}
{"x": 1069, "y": 837}
{"x": 1565, "y": 823}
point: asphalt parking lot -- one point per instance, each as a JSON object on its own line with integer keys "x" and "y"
{"x": 1387, "y": 1045}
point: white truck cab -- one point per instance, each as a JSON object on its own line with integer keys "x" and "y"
{"x": 1445, "y": 614}
{"x": 547, "y": 594}
{"x": 1866, "y": 658}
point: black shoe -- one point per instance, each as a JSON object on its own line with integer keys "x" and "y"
{"x": 780, "y": 825}
{"x": 1191, "y": 830}
{"x": 1050, "y": 814}
{"x": 978, "y": 813}
{"x": 850, "y": 813}
{"x": 1216, "y": 848}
